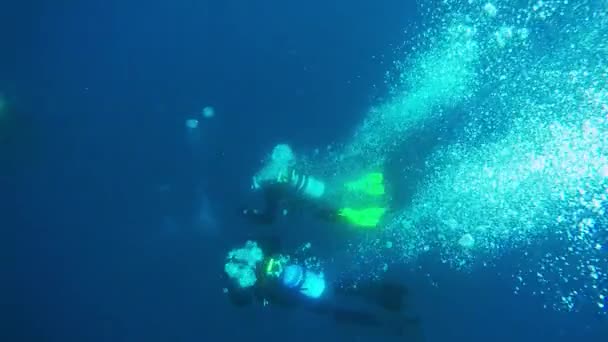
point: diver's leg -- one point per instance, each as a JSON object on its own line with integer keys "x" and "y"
{"x": 392, "y": 322}
{"x": 396, "y": 324}
{"x": 389, "y": 296}
{"x": 327, "y": 214}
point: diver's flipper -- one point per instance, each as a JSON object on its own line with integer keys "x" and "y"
{"x": 368, "y": 217}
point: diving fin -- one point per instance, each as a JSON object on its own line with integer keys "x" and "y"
{"x": 368, "y": 217}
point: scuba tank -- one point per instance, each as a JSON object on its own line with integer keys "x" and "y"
{"x": 307, "y": 186}
{"x": 308, "y": 283}
{"x": 280, "y": 169}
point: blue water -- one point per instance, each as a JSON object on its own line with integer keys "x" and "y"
{"x": 104, "y": 192}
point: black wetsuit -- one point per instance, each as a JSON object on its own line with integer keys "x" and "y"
{"x": 387, "y": 299}
{"x": 277, "y": 197}
{"x": 385, "y": 302}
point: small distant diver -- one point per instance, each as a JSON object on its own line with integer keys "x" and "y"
{"x": 285, "y": 186}
{"x": 19, "y": 134}
{"x": 260, "y": 274}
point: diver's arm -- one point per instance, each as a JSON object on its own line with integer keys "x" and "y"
{"x": 271, "y": 244}
{"x": 240, "y": 298}
{"x": 272, "y": 199}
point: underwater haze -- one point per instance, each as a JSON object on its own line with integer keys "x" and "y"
{"x": 130, "y": 132}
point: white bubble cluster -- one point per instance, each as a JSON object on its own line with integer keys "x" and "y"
{"x": 528, "y": 172}
{"x": 192, "y": 123}
{"x": 208, "y": 112}
{"x": 439, "y": 77}
{"x": 490, "y": 9}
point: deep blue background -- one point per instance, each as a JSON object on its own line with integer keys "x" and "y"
{"x": 100, "y": 159}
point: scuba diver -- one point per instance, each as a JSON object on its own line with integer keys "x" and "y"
{"x": 285, "y": 186}
{"x": 264, "y": 276}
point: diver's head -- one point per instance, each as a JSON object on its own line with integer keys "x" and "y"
{"x": 283, "y": 154}
{"x": 276, "y": 167}
{"x": 241, "y": 264}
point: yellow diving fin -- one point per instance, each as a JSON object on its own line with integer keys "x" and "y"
{"x": 368, "y": 217}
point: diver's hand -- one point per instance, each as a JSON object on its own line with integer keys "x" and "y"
{"x": 257, "y": 216}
